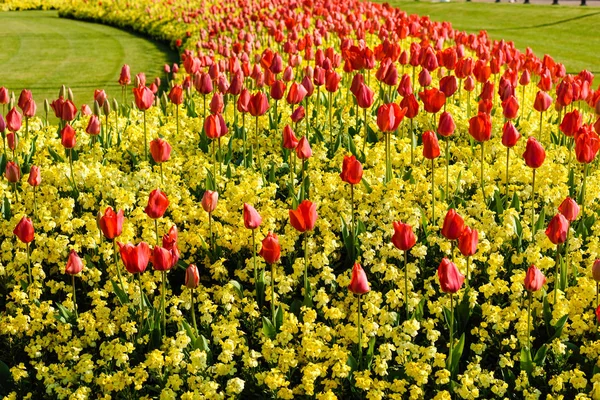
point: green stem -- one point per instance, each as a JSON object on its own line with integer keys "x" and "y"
{"x": 482, "y": 168}
{"x": 35, "y": 210}
{"x": 366, "y": 131}
{"x": 177, "y": 118}
{"x": 412, "y": 143}
{"x": 306, "y": 294}
{"x": 145, "y": 139}
{"x": 29, "y": 265}
{"x": 117, "y": 264}
{"x": 162, "y": 180}
{"x": 254, "y": 261}
{"x": 164, "y": 312}
{"x": 194, "y": 310}
{"x": 586, "y": 171}
{"x": 529, "y": 320}
{"x": 432, "y": 191}
{"x": 468, "y": 259}
{"x": 352, "y": 205}
{"x": 210, "y": 232}
{"x": 330, "y": 123}
{"x": 141, "y": 302}
{"x": 244, "y": 139}
{"x": 273, "y": 294}
{"x": 447, "y": 167}
{"x": 406, "y": 282}
{"x": 451, "y": 328}
{"x": 541, "y": 122}
{"x": 214, "y": 159}
{"x": 74, "y": 297}
{"x": 507, "y": 164}
{"x": 359, "y": 332}
{"x": 533, "y": 205}
{"x": 556, "y": 273}
{"x": 156, "y": 230}
{"x": 71, "y": 167}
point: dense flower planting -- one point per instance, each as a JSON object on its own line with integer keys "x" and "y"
{"x": 325, "y": 199}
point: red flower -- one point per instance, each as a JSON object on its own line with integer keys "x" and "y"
{"x": 433, "y": 100}
{"x": 258, "y": 104}
{"x": 157, "y": 204}
{"x": 431, "y": 146}
{"x": 296, "y": 94}
{"x": 35, "y": 178}
{"x": 534, "y": 153}
{"x": 571, "y": 123}
{"x": 24, "y": 230}
{"x": 135, "y": 258}
{"x": 67, "y": 137}
{"x": 304, "y": 217}
{"x": 303, "y": 150}
{"x": 453, "y": 225}
{"x": 93, "y": 126}
{"x": 160, "y": 150}
{"x": 510, "y": 135}
{"x": 162, "y": 259}
{"x": 587, "y": 144}
{"x": 143, "y": 97}
{"x": 13, "y": 120}
{"x": 364, "y": 96}
{"x": 252, "y": 218}
{"x": 510, "y": 107}
{"x": 270, "y": 250}
{"x": 290, "y": 141}
{"x": 557, "y": 229}
{"x": 192, "y": 277}
{"x": 403, "y": 238}
{"x": 210, "y": 200}
{"x": 358, "y": 283}
{"x": 352, "y": 170}
{"x": 534, "y": 279}
{"x": 446, "y": 125}
{"x": 74, "y": 264}
{"x": 480, "y": 127}
{"x": 467, "y": 241}
{"x": 12, "y": 172}
{"x": 451, "y": 280}
{"x": 389, "y": 117}
{"x": 542, "y": 101}
{"x": 214, "y": 126}
{"x": 569, "y": 209}
{"x": 176, "y": 95}
{"x": 411, "y": 105}
{"x": 111, "y": 223}
{"x": 125, "y": 76}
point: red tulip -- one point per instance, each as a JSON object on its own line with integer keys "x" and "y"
{"x": 598, "y": 314}
{"x": 213, "y": 126}
{"x": 557, "y": 229}
{"x": 157, "y": 204}
{"x": 431, "y": 146}
{"x": 125, "y": 76}
{"x": 216, "y": 105}
{"x": 358, "y": 283}
{"x": 448, "y": 85}
{"x": 569, "y": 209}
{"x": 13, "y": 120}
{"x": 433, "y": 100}
{"x": 169, "y": 242}
{"x": 278, "y": 90}
{"x": 304, "y": 217}
{"x": 135, "y": 258}
{"x": 252, "y": 218}
{"x": 210, "y": 200}
{"x": 446, "y": 125}
{"x": 596, "y": 270}
{"x": 29, "y": 109}
{"x": 162, "y": 259}
{"x": 296, "y": 94}
{"x": 12, "y": 140}
{"x": 24, "y": 230}
{"x": 364, "y": 96}
{"x": 298, "y": 114}
{"x": 534, "y": 153}
{"x": 510, "y": 135}
{"x": 203, "y": 83}
{"x": 403, "y": 238}
{"x": 12, "y": 172}
{"x": 542, "y": 101}
{"x": 451, "y": 280}
{"x": 389, "y": 117}
{"x": 587, "y": 144}
{"x": 160, "y": 150}
{"x": 303, "y": 150}
{"x": 405, "y": 86}
{"x": 68, "y": 111}
{"x": 35, "y": 178}
{"x": 290, "y": 141}
{"x": 411, "y": 105}
{"x": 571, "y": 123}
{"x": 176, "y": 95}
{"x": 534, "y": 279}
{"x": 192, "y": 277}
{"x": 467, "y": 241}
{"x": 332, "y": 81}
{"x": 270, "y": 250}
{"x": 510, "y": 107}
{"x": 480, "y": 127}
{"x": 424, "y": 78}
{"x": 67, "y": 137}
{"x": 93, "y": 126}
{"x": 74, "y": 264}
{"x": 4, "y": 96}
{"x": 111, "y": 223}
{"x": 100, "y": 97}
{"x": 469, "y": 84}
{"x": 258, "y": 104}
{"x": 453, "y": 225}
{"x": 143, "y": 97}
{"x": 352, "y": 170}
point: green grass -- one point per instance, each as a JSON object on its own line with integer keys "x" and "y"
{"x": 40, "y": 51}
{"x": 567, "y": 33}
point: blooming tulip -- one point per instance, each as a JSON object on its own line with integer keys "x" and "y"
{"x": 534, "y": 279}
{"x": 431, "y": 147}
{"x": 24, "y": 230}
{"x": 270, "y": 249}
{"x": 209, "y": 201}
{"x": 358, "y": 282}
{"x": 157, "y": 204}
{"x": 111, "y": 223}
{"x": 352, "y": 170}
{"x": 451, "y": 280}
{"x": 135, "y": 258}
{"x": 557, "y": 229}
{"x": 12, "y": 172}
{"x": 74, "y": 264}
{"x": 453, "y": 225}
{"x": 534, "y": 153}
{"x": 252, "y": 218}
{"x": 304, "y": 217}
{"x": 569, "y": 209}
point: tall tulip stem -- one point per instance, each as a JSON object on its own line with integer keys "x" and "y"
{"x": 74, "y": 297}
{"x": 177, "y": 118}
{"x": 366, "y": 129}
{"x": 145, "y": 139}
{"x": 359, "y": 331}
{"x": 35, "y": 209}
{"x": 541, "y": 124}
{"x": 141, "y": 301}
{"x": 117, "y": 264}
{"x": 556, "y": 273}
{"x": 71, "y": 167}
{"x": 210, "y": 232}
{"x": 406, "y": 282}
{"x": 529, "y": 320}
{"x": 156, "y": 230}
{"x": 533, "y": 205}
{"x": 307, "y": 295}
{"x": 193, "y": 295}
{"x": 468, "y": 262}
{"x": 507, "y": 164}
{"x": 330, "y": 123}
{"x": 412, "y": 143}
{"x": 29, "y": 265}
{"x": 451, "y": 328}
{"x": 586, "y": 171}
{"x": 214, "y": 159}
{"x": 273, "y": 293}
{"x": 162, "y": 302}
{"x": 352, "y": 205}
{"x": 447, "y": 167}
{"x": 432, "y": 191}
{"x": 482, "y": 170}
{"x": 388, "y": 157}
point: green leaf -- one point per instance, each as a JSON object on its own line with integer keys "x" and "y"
{"x": 64, "y": 315}
{"x": 558, "y": 327}
{"x": 539, "y": 225}
{"x": 419, "y": 310}
{"x": 5, "y": 375}
{"x": 260, "y": 288}
{"x": 371, "y": 351}
{"x": 352, "y": 363}
{"x": 189, "y": 331}
{"x": 268, "y": 328}
{"x": 526, "y": 362}
{"x": 515, "y": 203}
{"x": 121, "y": 295}
{"x": 238, "y": 288}
{"x": 540, "y": 356}
{"x": 367, "y": 186}
{"x": 547, "y": 314}
{"x": 457, "y": 354}
{"x": 308, "y": 302}
{"x": 278, "y": 318}
{"x": 55, "y": 156}
{"x": 6, "y": 213}
{"x": 447, "y": 316}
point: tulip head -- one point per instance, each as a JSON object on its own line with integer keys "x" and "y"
{"x": 403, "y": 238}
{"x": 352, "y": 170}
{"x": 74, "y": 264}
{"x": 534, "y": 279}
{"x": 451, "y": 280}
{"x": 270, "y": 250}
{"x": 192, "y": 277}
{"x": 358, "y": 282}
{"x": 157, "y": 204}
{"x": 24, "y": 230}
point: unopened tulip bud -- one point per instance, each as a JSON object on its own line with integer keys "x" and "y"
{"x": 192, "y": 277}
{"x": 106, "y": 108}
{"x": 62, "y": 92}
{"x": 96, "y": 108}
{"x": 46, "y": 106}
{"x": 70, "y": 95}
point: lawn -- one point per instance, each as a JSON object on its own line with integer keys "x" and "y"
{"x": 40, "y": 51}
{"x": 564, "y": 32}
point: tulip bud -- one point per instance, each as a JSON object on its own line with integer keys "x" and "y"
{"x": 70, "y": 95}
{"x": 431, "y": 146}
{"x": 12, "y": 141}
{"x": 12, "y": 172}
{"x": 303, "y": 150}
{"x": 209, "y": 201}
{"x": 453, "y": 225}
{"x": 290, "y": 141}
{"x": 569, "y": 209}
{"x": 252, "y": 218}
{"x": 467, "y": 241}
{"x": 62, "y": 93}
{"x": 35, "y": 177}
{"x": 557, "y": 229}
{"x": 358, "y": 283}
{"x": 162, "y": 259}
{"x": 446, "y": 125}
{"x": 74, "y": 264}
{"x": 106, "y": 108}
{"x": 111, "y": 223}
{"x": 451, "y": 280}
{"x": 67, "y": 137}
{"x": 46, "y": 106}
{"x": 534, "y": 279}
{"x": 352, "y": 170}
{"x": 192, "y": 277}
{"x": 160, "y": 150}
{"x": 404, "y": 238}
{"x": 534, "y": 153}
{"x": 24, "y": 230}
{"x": 270, "y": 249}
{"x": 510, "y": 135}
{"x": 157, "y": 204}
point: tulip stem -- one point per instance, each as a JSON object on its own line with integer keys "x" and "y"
{"x": 254, "y": 261}
{"x": 507, "y": 164}
{"x": 177, "y": 118}
{"x": 533, "y": 205}
{"x": 451, "y": 328}
{"x": 529, "y": 320}
{"x": 330, "y": 124}
{"x": 307, "y": 119}
{"x": 406, "y": 282}
{"x": 244, "y": 140}
{"x": 141, "y": 301}
{"x": 482, "y": 168}
{"x": 541, "y": 124}
{"x": 210, "y": 232}
{"x": 156, "y": 230}
{"x": 412, "y": 143}
{"x": 162, "y": 180}
{"x": 35, "y": 212}
{"x": 164, "y": 312}
{"x": 71, "y": 167}
{"x": 447, "y": 167}
{"x": 14, "y": 187}
{"x": 273, "y": 294}
{"x": 366, "y": 131}
{"x": 29, "y": 265}
{"x": 388, "y": 157}
{"x": 145, "y": 139}
{"x": 193, "y": 295}
{"x": 556, "y": 273}
{"x": 468, "y": 259}
{"x": 74, "y": 297}
{"x": 306, "y": 284}
{"x": 586, "y": 170}
{"x": 117, "y": 264}
{"x": 359, "y": 332}
{"x": 220, "y": 158}
{"x": 214, "y": 158}
{"x": 352, "y": 205}
{"x": 597, "y": 302}
{"x": 432, "y": 191}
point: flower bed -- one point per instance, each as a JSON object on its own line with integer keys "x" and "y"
{"x": 328, "y": 262}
